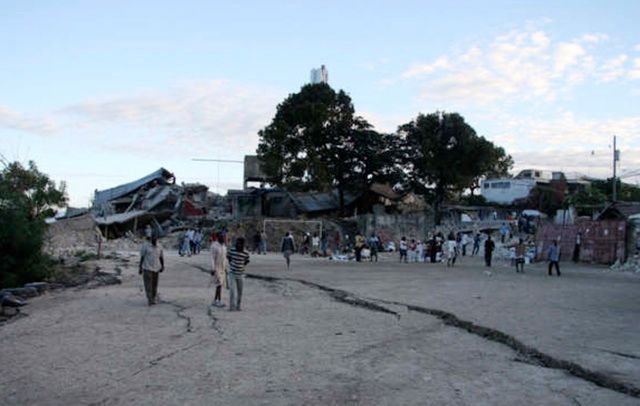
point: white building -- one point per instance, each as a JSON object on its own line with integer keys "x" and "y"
{"x": 319, "y": 75}
{"x": 506, "y": 190}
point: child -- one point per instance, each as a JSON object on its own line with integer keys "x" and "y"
{"x": 238, "y": 260}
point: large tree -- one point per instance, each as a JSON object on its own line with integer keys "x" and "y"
{"x": 315, "y": 142}
{"x": 443, "y": 153}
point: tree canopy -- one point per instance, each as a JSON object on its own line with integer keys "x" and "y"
{"x": 443, "y": 151}
{"x": 316, "y": 142}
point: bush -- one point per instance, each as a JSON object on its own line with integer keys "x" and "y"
{"x": 27, "y": 196}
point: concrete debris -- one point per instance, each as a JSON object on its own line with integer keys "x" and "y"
{"x": 22, "y": 293}
{"x": 632, "y": 265}
{"x": 9, "y": 300}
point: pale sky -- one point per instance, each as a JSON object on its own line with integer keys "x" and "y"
{"x": 100, "y": 93}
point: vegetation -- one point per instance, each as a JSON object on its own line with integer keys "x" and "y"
{"x": 27, "y": 197}
{"x": 442, "y": 150}
{"x": 315, "y": 142}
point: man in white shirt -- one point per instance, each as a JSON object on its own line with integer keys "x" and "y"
{"x": 151, "y": 264}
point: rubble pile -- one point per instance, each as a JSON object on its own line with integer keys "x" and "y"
{"x": 631, "y": 265}
{"x": 153, "y": 203}
{"x": 67, "y": 236}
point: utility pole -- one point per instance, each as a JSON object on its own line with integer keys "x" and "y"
{"x": 616, "y": 158}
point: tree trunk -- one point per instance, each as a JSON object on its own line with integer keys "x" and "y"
{"x": 437, "y": 204}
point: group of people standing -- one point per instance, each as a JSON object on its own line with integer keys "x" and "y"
{"x": 191, "y": 242}
{"x": 436, "y": 248}
{"x": 227, "y": 267}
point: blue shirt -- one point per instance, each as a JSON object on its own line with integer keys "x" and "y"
{"x": 554, "y": 253}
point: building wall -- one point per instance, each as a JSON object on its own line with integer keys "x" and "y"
{"x": 505, "y": 191}
{"x": 392, "y": 227}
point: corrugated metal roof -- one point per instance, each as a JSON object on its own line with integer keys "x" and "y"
{"x": 107, "y": 195}
{"x": 314, "y": 202}
{"x": 626, "y": 209}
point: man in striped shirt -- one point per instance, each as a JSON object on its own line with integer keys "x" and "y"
{"x": 238, "y": 259}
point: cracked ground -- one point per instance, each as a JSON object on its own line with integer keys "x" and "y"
{"x": 333, "y": 333}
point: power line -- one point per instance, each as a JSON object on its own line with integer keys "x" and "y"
{"x": 216, "y": 160}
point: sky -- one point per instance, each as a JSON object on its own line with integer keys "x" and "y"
{"x": 100, "y": 93}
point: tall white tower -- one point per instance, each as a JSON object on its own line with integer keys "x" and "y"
{"x": 319, "y": 75}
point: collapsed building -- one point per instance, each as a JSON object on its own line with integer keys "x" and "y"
{"x": 153, "y": 200}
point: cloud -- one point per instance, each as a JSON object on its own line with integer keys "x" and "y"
{"x": 567, "y": 55}
{"x": 517, "y": 66}
{"x": 15, "y": 121}
{"x": 613, "y": 68}
{"x": 634, "y": 72}
{"x": 592, "y": 162}
{"x": 569, "y": 132}
{"x": 188, "y": 118}
{"x": 593, "y": 38}
{"x": 426, "y": 69}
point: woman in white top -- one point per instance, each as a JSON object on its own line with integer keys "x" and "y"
{"x": 219, "y": 265}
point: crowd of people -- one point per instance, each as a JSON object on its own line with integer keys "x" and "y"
{"x": 228, "y": 265}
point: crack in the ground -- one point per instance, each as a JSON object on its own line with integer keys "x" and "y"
{"x": 214, "y": 322}
{"x": 180, "y": 309}
{"x": 337, "y": 294}
{"x": 620, "y": 354}
{"x": 527, "y": 353}
{"x": 214, "y": 319}
{"x": 157, "y": 360}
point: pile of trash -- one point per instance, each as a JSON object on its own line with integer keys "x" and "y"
{"x": 631, "y": 265}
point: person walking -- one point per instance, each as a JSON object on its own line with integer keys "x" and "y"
{"x": 554, "y": 257}
{"x": 374, "y": 243}
{"x": 238, "y": 260}
{"x": 576, "y": 248}
{"x": 489, "y": 246}
{"x": 520, "y": 251}
{"x": 452, "y": 250}
{"x": 420, "y": 251}
{"x": 263, "y": 242}
{"x": 219, "y": 266}
{"x": 151, "y": 264}
{"x": 191, "y": 234}
{"x": 288, "y": 247}
{"x": 465, "y": 242}
{"x": 411, "y": 250}
{"x": 402, "y": 248}
{"x": 324, "y": 243}
{"x": 433, "y": 249}
{"x": 504, "y": 230}
{"x": 198, "y": 241}
{"x": 476, "y": 244}
{"x": 359, "y": 245}
{"x": 315, "y": 245}
{"x": 185, "y": 247}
